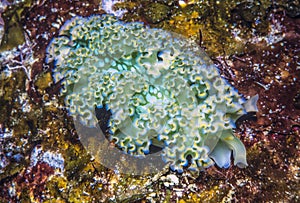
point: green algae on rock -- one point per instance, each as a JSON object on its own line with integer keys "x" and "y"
{"x": 161, "y": 89}
{"x": 156, "y": 12}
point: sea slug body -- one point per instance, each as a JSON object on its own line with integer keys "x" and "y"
{"x": 161, "y": 89}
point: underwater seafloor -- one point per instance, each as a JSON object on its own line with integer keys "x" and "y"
{"x": 255, "y": 45}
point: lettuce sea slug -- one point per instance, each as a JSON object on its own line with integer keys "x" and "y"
{"x": 160, "y": 88}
